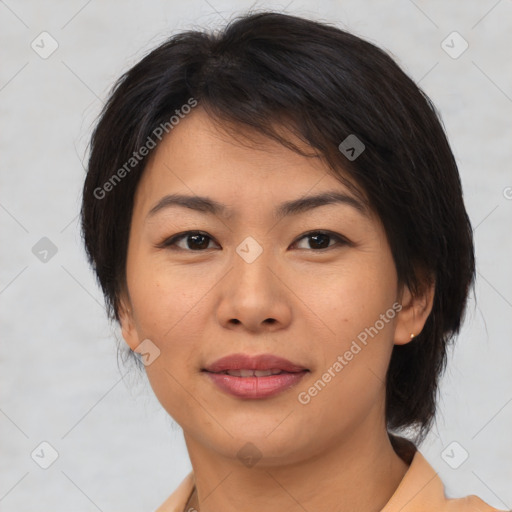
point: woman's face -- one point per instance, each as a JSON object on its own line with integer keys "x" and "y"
{"x": 254, "y": 283}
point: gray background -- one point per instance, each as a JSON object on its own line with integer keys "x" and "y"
{"x": 60, "y": 382}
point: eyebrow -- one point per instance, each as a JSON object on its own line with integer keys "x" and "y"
{"x": 209, "y": 206}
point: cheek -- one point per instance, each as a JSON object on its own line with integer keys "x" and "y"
{"x": 352, "y": 296}
{"x": 167, "y": 307}
{"x": 356, "y": 305}
{"x": 165, "y": 297}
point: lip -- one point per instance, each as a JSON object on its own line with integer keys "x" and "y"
{"x": 247, "y": 362}
{"x": 254, "y": 387}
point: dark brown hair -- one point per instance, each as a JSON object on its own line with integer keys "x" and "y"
{"x": 266, "y": 70}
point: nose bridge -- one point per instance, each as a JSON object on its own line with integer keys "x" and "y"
{"x": 251, "y": 296}
{"x": 252, "y": 262}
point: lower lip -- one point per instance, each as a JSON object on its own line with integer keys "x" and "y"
{"x": 256, "y": 387}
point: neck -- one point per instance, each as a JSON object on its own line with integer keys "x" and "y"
{"x": 360, "y": 473}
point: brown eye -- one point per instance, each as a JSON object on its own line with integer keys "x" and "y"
{"x": 193, "y": 241}
{"x": 319, "y": 240}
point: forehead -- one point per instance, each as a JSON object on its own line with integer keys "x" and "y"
{"x": 202, "y": 156}
{"x": 199, "y": 143}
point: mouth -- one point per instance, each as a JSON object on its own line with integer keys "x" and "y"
{"x": 252, "y": 373}
{"x": 261, "y": 363}
{"x": 251, "y": 377}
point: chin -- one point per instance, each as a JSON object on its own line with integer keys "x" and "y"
{"x": 264, "y": 445}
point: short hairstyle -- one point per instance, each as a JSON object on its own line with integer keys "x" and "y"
{"x": 269, "y": 70}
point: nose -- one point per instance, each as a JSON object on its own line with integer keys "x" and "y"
{"x": 254, "y": 295}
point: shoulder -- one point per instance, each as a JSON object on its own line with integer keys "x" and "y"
{"x": 177, "y": 501}
{"x": 421, "y": 489}
{"x": 470, "y": 503}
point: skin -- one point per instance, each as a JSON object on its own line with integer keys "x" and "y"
{"x": 199, "y": 305}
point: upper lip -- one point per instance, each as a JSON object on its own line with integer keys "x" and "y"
{"x": 247, "y": 362}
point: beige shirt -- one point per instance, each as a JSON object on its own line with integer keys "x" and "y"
{"x": 421, "y": 490}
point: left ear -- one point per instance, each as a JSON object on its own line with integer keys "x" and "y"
{"x": 414, "y": 313}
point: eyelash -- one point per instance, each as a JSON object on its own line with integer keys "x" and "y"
{"x": 170, "y": 243}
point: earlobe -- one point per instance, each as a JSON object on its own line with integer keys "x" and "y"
{"x": 128, "y": 329}
{"x": 414, "y": 313}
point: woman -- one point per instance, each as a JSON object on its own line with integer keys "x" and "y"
{"x": 276, "y": 220}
